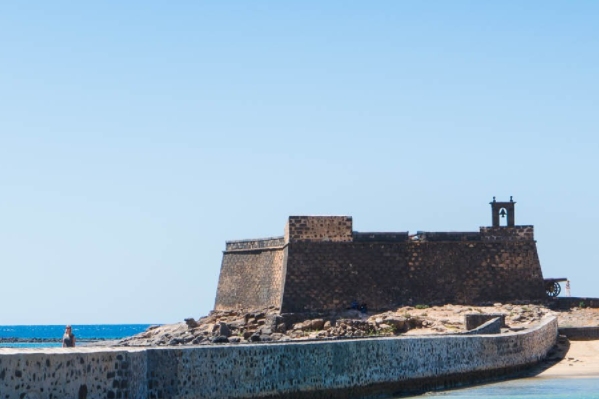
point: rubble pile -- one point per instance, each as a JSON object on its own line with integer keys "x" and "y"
{"x": 268, "y": 325}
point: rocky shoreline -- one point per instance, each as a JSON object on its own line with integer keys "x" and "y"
{"x": 268, "y": 325}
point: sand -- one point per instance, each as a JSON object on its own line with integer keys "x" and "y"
{"x": 573, "y": 359}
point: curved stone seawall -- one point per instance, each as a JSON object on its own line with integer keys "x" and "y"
{"x": 331, "y": 369}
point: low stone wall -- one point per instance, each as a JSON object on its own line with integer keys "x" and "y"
{"x": 580, "y": 333}
{"x": 492, "y": 326}
{"x": 331, "y": 369}
{"x": 574, "y": 302}
{"x": 473, "y": 320}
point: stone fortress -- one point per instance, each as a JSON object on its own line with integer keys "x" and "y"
{"x": 322, "y": 264}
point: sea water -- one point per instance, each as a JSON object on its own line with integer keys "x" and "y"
{"x": 527, "y": 388}
{"x": 88, "y": 332}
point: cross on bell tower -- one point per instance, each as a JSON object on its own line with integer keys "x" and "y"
{"x": 501, "y": 210}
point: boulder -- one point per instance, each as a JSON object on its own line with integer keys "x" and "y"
{"x": 397, "y": 322}
{"x": 254, "y": 338}
{"x": 317, "y": 324}
{"x": 191, "y": 323}
{"x": 220, "y": 340}
{"x": 224, "y": 330}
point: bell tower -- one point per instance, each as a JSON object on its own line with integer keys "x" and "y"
{"x": 501, "y": 209}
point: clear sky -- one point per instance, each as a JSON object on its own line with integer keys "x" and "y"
{"x": 136, "y": 138}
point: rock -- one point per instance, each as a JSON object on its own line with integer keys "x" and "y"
{"x": 254, "y": 338}
{"x": 398, "y": 322}
{"x": 235, "y": 340}
{"x": 414, "y": 322}
{"x": 198, "y": 340}
{"x": 317, "y": 324}
{"x": 191, "y": 323}
{"x": 175, "y": 341}
{"x": 221, "y": 339}
{"x": 224, "y": 330}
{"x": 259, "y": 315}
{"x": 327, "y": 325}
{"x": 281, "y": 328}
{"x": 264, "y": 331}
{"x": 516, "y": 318}
{"x": 298, "y": 326}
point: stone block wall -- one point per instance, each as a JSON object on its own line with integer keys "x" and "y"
{"x": 321, "y": 264}
{"x": 330, "y": 369}
{"x": 251, "y": 276}
{"x": 380, "y": 237}
{"x": 319, "y": 228}
{"x": 329, "y": 275}
{"x": 450, "y": 236}
{"x": 515, "y": 233}
{"x": 580, "y": 333}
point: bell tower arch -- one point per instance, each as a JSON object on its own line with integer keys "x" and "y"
{"x": 501, "y": 210}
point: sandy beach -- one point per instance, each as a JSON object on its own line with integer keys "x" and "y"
{"x": 572, "y": 359}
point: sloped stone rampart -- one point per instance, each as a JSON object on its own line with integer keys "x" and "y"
{"x": 331, "y": 369}
{"x": 251, "y": 279}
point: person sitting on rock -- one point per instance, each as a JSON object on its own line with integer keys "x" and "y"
{"x": 68, "y": 339}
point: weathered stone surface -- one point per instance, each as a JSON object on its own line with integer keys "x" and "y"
{"x": 473, "y": 320}
{"x": 224, "y": 330}
{"x": 191, "y": 323}
{"x": 322, "y": 264}
{"x": 336, "y": 369}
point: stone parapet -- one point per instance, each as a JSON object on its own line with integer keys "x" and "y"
{"x": 319, "y": 228}
{"x": 380, "y": 237}
{"x": 514, "y": 233}
{"x": 580, "y": 333}
{"x": 450, "y": 236}
{"x": 332, "y": 369}
{"x": 258, "y": 243}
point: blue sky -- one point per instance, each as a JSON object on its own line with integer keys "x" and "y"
{"x": 136, "y": 138}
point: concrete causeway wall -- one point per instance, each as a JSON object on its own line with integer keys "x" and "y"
{"x": 331, "y": 369}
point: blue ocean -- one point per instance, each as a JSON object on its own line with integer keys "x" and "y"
{"x": 528, "y": 388}
{"x": 27, "y": 335}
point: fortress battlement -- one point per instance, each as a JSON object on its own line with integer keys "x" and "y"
{"x": 321, "y": 263}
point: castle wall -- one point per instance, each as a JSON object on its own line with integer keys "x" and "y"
{"x": 331, "y": 275}
{"x": 252, "y": 274}
{"x": 318, "y": 228}
{"x": 330, "y": 369}
{"x": 321, "y": 264}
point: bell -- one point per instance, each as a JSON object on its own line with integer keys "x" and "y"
{"x": 502, "y": 213}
